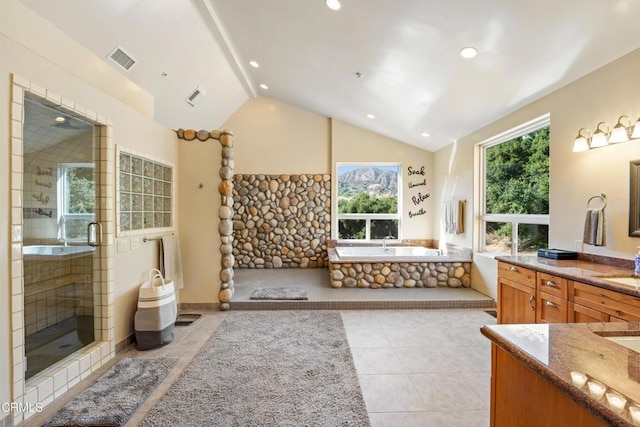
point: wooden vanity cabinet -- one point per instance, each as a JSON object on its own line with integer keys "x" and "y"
{"x": 551, "y": 299}
{"x": 603, "y": 304}
{"x": 521, "y": 397}
{"x": 516, "y": 294}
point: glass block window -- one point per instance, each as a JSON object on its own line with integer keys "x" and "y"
{"x": 145, "y": 193}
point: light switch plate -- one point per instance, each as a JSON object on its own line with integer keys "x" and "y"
{"x": 135, "y": 243}
{"x": 123, "y": 245}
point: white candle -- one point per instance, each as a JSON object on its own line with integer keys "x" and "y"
{"x": 635, "y": 415}
{"x": 596, "y": 389}
{"x": 578, "y": 379}
{"x": 616, "y": 402}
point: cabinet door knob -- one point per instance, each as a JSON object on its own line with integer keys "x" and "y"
{"x": 551, "y": 284}
{"x": 532, "y": 302}
{"x": 551, "y": 304}
{"x": 513, "y": 268}
{"x": 619, "y": 313}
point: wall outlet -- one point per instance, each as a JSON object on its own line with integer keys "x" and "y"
{"x": 123, "y": 245}
{"x": 135, "y": 243}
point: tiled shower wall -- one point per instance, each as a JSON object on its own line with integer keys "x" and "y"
{"x": 281, "y": 221}
{"x": 56, "y": 290}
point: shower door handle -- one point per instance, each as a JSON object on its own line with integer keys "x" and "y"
{"x": 94, "y": 234}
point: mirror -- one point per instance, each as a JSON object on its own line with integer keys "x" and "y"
{"x": 634, "y": 199}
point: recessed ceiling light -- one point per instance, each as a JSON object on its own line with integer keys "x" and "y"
{"x": 425, "y": 134}
{"x": 254, "y": 64}
{"x": 468, "y": 52}
{"x": 371, "y": 116}
{"x": 60, "y": 119}
{"x": 264, "y": 86}
{"x": 333, "y": 4}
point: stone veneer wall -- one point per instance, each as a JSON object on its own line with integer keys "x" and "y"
{"x": 400, "y": 275}
{"x": 281, "y": 221}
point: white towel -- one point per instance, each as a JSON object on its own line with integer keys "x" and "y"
{"x": 594, "y": 229}
{"x": 170, "y": 261}
{"x": 454, "y": 217}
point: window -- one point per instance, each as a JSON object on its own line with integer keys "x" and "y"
{"x": 368, "y": 201}
{"x": 514, "y": 188}
{"x": 76, "y": 200}
{"x": 145, "y": 194}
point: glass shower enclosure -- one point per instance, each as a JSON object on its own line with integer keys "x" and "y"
{"x": 61, "y": 233}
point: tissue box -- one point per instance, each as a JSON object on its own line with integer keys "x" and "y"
{"x": 557, "y": 254}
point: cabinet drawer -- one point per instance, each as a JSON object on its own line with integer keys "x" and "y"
{"x": 552, "y": 285}
{"x": 524, "y": 276}
{"x": 581, "y": 314}
{"x": 621, "y": 306}
{"x": 550, "y": 308}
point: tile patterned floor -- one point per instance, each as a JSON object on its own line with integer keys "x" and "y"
{"x": 422, "y": 367}
{"x": 416, "y": 367}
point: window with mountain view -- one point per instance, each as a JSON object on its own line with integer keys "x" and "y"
{"x": 368, "y": 206}
{"x": 515, "y": 184}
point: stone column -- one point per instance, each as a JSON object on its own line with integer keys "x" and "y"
{"x": 226, "y": 224}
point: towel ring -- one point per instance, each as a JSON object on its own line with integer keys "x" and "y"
{"x": 602, "y": 197}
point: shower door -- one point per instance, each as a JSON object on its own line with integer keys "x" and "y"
{"x": 61, "y": 233}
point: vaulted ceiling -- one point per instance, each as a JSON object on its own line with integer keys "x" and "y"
{"x": 396, "y": 60}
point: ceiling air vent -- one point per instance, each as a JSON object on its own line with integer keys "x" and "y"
{"x": 196, "y": 96}
{"x": 122, "y": 58}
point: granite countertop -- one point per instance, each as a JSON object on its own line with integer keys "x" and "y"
{"x": 554, "y": 351}
{"x": 593, "y": 273}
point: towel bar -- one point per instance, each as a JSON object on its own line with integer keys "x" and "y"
{"x": 602, "y": 197}
{"x": 149, "y": 239}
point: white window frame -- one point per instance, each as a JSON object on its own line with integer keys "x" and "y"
{"x": 372, "y": 216}
{"x": 62, "y": 202}
{"x": 515, "y": 219}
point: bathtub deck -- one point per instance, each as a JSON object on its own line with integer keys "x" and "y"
{"x": 323, "y": 297}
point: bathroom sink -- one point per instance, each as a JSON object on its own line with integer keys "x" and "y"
{"x": 630, "y": 281}
{"x": 630, "y": 341}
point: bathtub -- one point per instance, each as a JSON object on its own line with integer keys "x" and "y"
{"x": 55, "y": 251}
{"x": 390, "y": 253}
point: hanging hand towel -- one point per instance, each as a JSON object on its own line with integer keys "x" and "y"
{"x": 460, "y": 218}
{"x": 170, "y": 261}
{"x": 594, "y": 229}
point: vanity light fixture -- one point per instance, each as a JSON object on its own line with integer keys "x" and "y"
{"x": 620, "y": 132}
{"x": 600, "y": 137}
{"x": 581, "y": 142}
{"x": 333, "y": 4}
{"x": 636, "y": 130}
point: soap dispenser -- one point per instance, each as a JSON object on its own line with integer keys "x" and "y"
{"x": 636, "y": 270}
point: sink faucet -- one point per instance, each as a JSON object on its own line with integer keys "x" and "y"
{"x": 384, "y": 241}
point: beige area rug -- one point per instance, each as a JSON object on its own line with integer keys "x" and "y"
{"x": 268, "y": 368}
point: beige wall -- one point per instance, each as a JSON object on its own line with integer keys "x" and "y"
{"x": 353, "y": 144}
{"x": 272, "y": 137}
{"x": 600, "y": 96}
{"x": 32, "y": 48}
